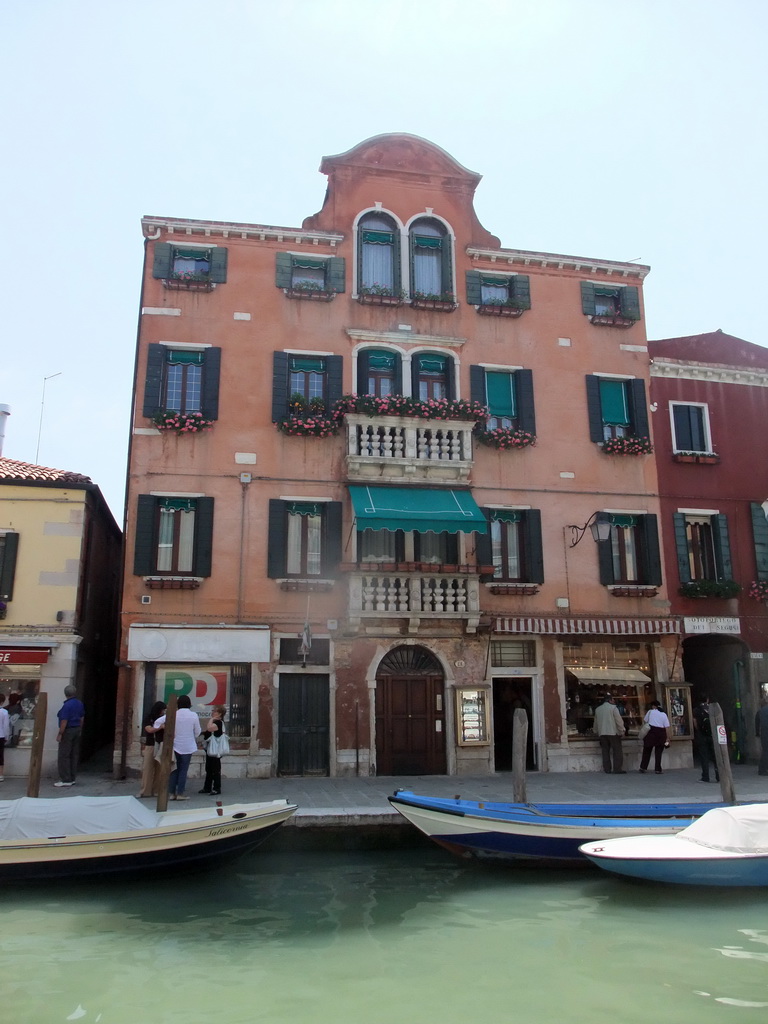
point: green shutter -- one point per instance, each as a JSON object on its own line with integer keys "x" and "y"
{"x": 483, "y": 546}
{"x": 520, "y": 291}
{"x": 450, "y": 379}
{"x": 283, "y": 269}
{"x": 8, "y": 565}
{"x": 333, "y": 537}
{"x": 218, "y": 271}
{"x": 362, "y": 371}
{"x": 605, "y": 562}
{"x": 279, "y": 386}
{"x": 477, "y": 384}
{"x": 474, "y": 288}
{"x": 162, "y": 263}
{"x": 153, "y": 382}
{"x": 629, "y": 302}
{"x": 681, "y": 545}
{"x": 211, "y": 377}
{"x": 588, "y": 298}
{"x": 638, "y": 407}
{"x": 593, "y": 409}
{"x": 651, "y": 554}
{"x": 276, "y": 539}
{"x": 335, "y": 274}
{"x": 144, "y": 554}
{"x": 334, "y": 367}
{"x": 722, "y": 546}
{"x": 203, "y": 537}
{"x": 760, "y": 537}
{"x": 446, "y": 266}
{"x": 526, "y": 411}
{"x": 533, "y": 557}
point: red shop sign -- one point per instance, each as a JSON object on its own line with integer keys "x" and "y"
{"x": 23, "y": 656}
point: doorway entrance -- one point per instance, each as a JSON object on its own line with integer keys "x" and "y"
{"x": 509, "y": 694}
{"x": 303, "y": 724}
{"x": 410, "y": 716}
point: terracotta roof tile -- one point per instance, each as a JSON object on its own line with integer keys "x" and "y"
{"x": 12, "y": 471}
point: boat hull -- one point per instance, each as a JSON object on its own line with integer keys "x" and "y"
{"x": 535, "y": 834}
{"x": 188, "y": 839}
{"x": 669, "y": 860}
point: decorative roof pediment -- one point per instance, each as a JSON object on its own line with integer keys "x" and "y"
{"x": 401, "y": 153}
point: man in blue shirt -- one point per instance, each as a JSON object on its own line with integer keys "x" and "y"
{"x": 71, "y": 717}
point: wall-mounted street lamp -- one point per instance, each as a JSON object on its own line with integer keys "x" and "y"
{"x": 599, "y": 526}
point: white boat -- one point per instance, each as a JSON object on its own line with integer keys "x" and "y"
{"x": 726, "y": 846}
{"x": 83, "y": 835}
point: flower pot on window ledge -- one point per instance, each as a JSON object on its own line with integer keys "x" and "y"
{"x": 488, "y": 309}
{"x": 514, "y": 589}
{"x": 708, "y": 459}
{"x": 314, "y": 294}
{"x": 486, "y": 570}
{"x": 441, "y": 305}
{"x": 406, "y": 566}
{"x": 189, "y": 284}
{"x": 611, "y": 320}
{"x": 634, "y": 591}
{"x": 379, "y": 299}
{"x": 679, "y": 457}
{"x": 449, "y": 568}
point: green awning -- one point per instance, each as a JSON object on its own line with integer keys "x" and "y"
{"x": 416, "y": 508}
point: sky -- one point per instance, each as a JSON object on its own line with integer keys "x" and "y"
{"x": 611, "y": 129}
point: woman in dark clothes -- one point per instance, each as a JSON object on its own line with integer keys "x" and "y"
{"x": 213, "y": 727}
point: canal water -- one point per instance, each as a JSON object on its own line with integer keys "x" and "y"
{"x": 381, "y": 937}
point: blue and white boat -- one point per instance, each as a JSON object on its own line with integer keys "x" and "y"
{"x": 537, "y": 833}
{"x": 726, "y": 846}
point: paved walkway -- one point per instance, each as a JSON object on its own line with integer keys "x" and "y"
{"x": 363, "y": 801}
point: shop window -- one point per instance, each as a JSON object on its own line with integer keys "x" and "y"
{"x": 631, "y": 554}
{"x": 291, "y": 652}
{"x": 304, "y": 538}
{"x": 182, "y": 380}
{"x": 595, "y": 669}
{"x": 304, "y": 384}
{"x": 21, "y": 686}
{"x": 616, "y": 407}
{"x": 207, "y": 686}
{"x": 173, "y": 536}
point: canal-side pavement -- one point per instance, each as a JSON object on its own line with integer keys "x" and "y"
{"x": 359, "y": 802}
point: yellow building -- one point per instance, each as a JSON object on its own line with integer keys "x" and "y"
{"x": 59, "y": 581}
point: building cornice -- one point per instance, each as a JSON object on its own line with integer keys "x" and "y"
{"x": 403, "y": 338}
{"x": 712, "y": 374}
{"x": 156, "y": 227}
{"x": 516, "y": 258}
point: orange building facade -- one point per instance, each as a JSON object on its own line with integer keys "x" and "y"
{"x": 363, "y": 457}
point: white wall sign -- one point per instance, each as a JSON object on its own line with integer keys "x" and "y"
{"x": 156, "y": 643}
{"x": 720, "y": 624}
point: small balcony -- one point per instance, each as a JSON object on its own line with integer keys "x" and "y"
{"x": 389, "y": 597}
{"x": 397, "y": 448}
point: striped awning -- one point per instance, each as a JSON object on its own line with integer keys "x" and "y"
{"x": 615, "y": 627}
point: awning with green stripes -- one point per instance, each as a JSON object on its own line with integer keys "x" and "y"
{"x": 416, "y": 508}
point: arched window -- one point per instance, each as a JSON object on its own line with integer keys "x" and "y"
{"x": 432, "y": 376}
{"x": 379, "y": 373}
{"x": 378, "y": 255}
{"x": 430, "y": 260}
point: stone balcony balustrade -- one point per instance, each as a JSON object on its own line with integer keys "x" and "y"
{"x": 388, "y": 596}
{"x": 405, "y": 447}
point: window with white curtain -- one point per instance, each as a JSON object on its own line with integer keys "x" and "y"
{"x": 430, "y": 259}
{"x": 378, "y": 241}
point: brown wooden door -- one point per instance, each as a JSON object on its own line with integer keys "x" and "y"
{"x": 410, "y": 726}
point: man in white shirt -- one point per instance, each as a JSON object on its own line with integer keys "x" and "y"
{"x": 184, "y": 745}
{"x": 609, "y": 726}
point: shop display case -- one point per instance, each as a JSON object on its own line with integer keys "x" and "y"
{"x": 472, "y": 716}
{"x": 676, "y": 701}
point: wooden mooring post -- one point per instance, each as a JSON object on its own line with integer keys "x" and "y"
{"x": 519, "y": 748}
{"x": 38, "y": 743}
{"x": 722, "y": 761}
{"x": 166, "y": 758}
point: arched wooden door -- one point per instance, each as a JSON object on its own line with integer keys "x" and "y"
{"x": 410, "y": 714}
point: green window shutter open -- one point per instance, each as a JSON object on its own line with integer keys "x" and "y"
{"x": 204, "y": 537}
{"x": 144, "y": 546}
{"x": 283, "y": 269}
{"x": 681, "y": 546}
{"x": 335, "y": 274}
{"x": 520, "y": 291}
{"x": 605, "y": 562}
{"x": 162, "y": 260}
{"x": 446, "y": 266}
{"x": 526, "y": 410}
{"x": 218, "y": 271}
{"x": 276, "y": 539}
{"x": 593, "y": 408}
{"x": 629, "y": 302}
{"x": 722, "y": 546}
{"x": 533, "y": 550}
{"x": 638, "y": 407}
{"x": 500, "y": 389}
{"x": 588, "y": 298}
{"x": 279, "y": 386}
{"x": 333, "y": 537}
{"x": 153, "y": 382}
{"x": 760, "y": 537}
{"x": 211, "y": 377}
{"x": 334, "y": 366}
{"x": 477, "y": 384}
{"x": 8, "y": 565}
{"x": 648, "y": 527}
{"x": 474, "y": 286}
{"x": 483, "y": 546}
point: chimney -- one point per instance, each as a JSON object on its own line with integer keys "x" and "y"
{"x": 5, "y": 412}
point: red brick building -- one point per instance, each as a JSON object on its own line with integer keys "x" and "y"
{"x": 364, "y": 455}
{"x": 711, "y": 397}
